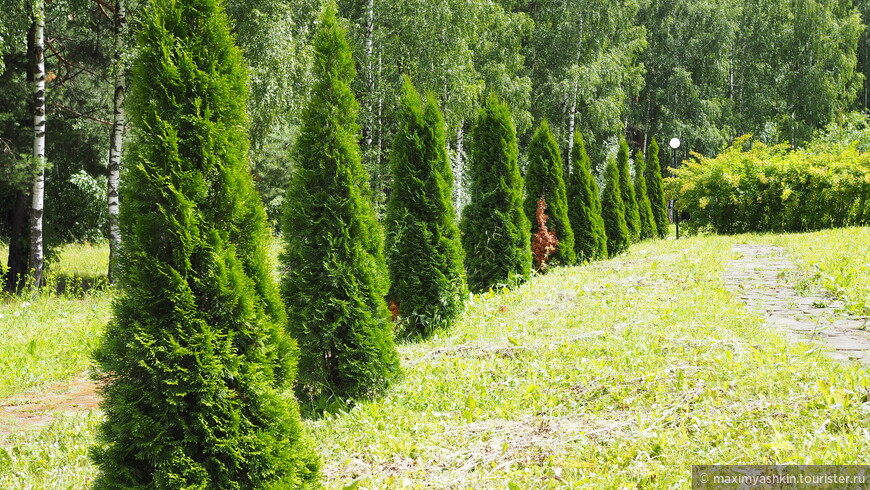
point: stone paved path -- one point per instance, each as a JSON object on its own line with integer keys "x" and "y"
{"x": 760, "y": 275}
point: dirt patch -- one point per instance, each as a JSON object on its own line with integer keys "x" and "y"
{"x": 39, "y": 408}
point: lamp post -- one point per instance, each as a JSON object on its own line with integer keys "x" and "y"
{"x": 674, "y": 144}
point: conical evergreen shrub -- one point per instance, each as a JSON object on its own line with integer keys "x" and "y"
{"x": 647, "y": 221}
{"x": 613, "y": 212}
{"x": 544, "y": 178}
{"x": 584, "y": 206}
{"x": 335, "y": 275}
{"x": 495, "y": 231}
{"x": 424, "y": 254}
{"x": 196, "y": 363}
{"x": 655, "y": 190}
{"x": 632, "y": 212}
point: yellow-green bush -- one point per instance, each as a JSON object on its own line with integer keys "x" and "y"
{"x": 753, "y": 188}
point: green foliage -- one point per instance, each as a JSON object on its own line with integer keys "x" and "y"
{"x": 544, "y": 178}
{"x": 613, "y": 212}
{"x": 584, "y": 206}
{"x": 629, "y": 199}
{"x": 850, "y": 129}
{"x": 335, "y": 275}
{"x": 424, "y": 253}
{"x": 648, "y": 228}
{"x": 583, "y": 60}
{"x": 685, "y": 94}
{"x": 655, "y": 190}
{"x": 495, "y": 231}
{"x": 779, "y": 69}
{"x": 772, "y": 188}
{"x": 196, "y": 361}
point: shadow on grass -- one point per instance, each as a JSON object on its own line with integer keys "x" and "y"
{"x": 76, "y": 285}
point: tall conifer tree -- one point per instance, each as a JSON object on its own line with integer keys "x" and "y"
{"x": 424, "y": 254}
{"x": 544, "y": 178}
{"x": 647, "y": 221}
{"x": 655, "y": 190}
{"x": 196, "y": 361}
{"x": 335, "y": 275}
{"x": 613, "y": 212}
{"x": 632, "y": 213}
{"x": 584, "y": 206}
{"x": 495, "y": 231}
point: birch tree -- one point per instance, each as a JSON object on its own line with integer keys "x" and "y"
{"x": 116, "y": 146}
{"x": 37, "y": 258}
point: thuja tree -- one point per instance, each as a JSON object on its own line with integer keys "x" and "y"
{"x": 584, "y": 206}
{"x": 424, "y": 254}
{"x": 648, "y": 227}
{"x": 655, "y": 190}
{"x": 496, "y": 233}
{"x": 335, "y": 275}
{"x": 196, "y": 361}
{"x": 632, "y": 213}
{"x": 544, "y": 178}
{"x": 613, "y": 212}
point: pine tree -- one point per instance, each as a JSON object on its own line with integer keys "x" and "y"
{"x": 196, "y": 362}
{"x": 495, "y": 231}
{"x": 655, "y": 190}
{"x": 613, "y": 212}
{"x": 424, "y": 254}
{"x": 544, "y": 178}
{"x": 632, "y": 213}
{"x": 584, "y": 206}
{"x": 335, "y": 276}
{"x": 647, "y": 221}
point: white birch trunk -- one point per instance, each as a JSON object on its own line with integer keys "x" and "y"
{"x": 573, "y": 114}
{"x": 459, "y": 172}
{"x": 117, "y": 140}
{"x": 571, "y": 126}
{"x": 37, "y": 257}
{"x": 370, "y": 75}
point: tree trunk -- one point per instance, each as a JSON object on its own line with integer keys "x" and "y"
{"x": 370, "y": 75}
{"x": 573, "y": 114}
{"x": 19, "y": 244}
{"x": 117, "y": 140}
{"x": 37, "y": 259}
{"x": 459, "y": 171}
{"x": 571, "y": 126}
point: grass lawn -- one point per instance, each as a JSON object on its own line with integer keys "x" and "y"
{"x": 838, "y": 260}
{"x": 621, "y": 373}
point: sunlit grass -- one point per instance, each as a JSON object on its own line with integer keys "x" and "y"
{"x": 615, "y": 374}
{"x": 51, "y": 457}
{"x": 49, "y": 337}
{"x": 619, "y": 373}
{"x": 838, "y": 260}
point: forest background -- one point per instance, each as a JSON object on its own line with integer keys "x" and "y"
{"x": 706, "y": 72}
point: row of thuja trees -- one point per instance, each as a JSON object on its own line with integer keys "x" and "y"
{"x": 200, "y": 363}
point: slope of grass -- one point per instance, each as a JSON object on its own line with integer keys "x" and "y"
{"x": 620, "y": 373}
{"x": 838, "y": 260}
